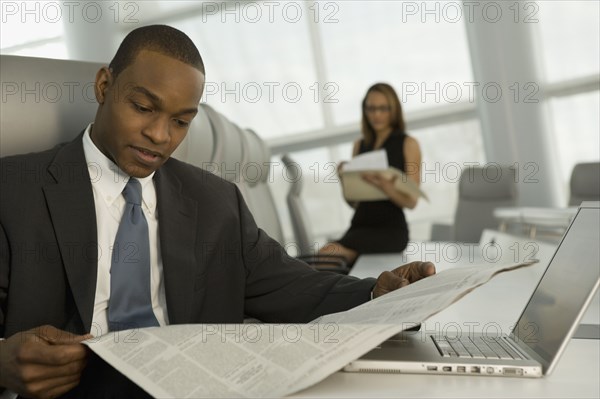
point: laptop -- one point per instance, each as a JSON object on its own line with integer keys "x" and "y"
{"x": 539, "y": 337}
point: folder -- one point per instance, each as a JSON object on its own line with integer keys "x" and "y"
{"x": 355, "y": 188}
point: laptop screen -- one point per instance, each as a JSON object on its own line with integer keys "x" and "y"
{"x": 567, "y": 284}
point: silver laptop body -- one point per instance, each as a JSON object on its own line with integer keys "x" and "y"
{"x": 539, "y": 337}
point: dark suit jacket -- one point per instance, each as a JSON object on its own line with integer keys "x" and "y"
{"x": 218, "y": 266}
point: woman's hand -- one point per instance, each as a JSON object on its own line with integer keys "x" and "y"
{"x": 378, "y": 180}
{"x": 387, "y": 185}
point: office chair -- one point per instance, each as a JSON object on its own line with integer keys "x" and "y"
{"x": 550, "y": 224}
{"x": 242, "y": 157}
{"x": 47, "y": 102}
{"x": 301, "y": 224}
{"x": 198, "y": 147}
{"x": 256, "y": 160}
{"x": 44, "y": 102}
{"x": 480, "y": 191}
{"x": 585, "y": 183}
{"x": 227, "y": 147}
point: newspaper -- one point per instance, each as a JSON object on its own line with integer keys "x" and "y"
{"x": 274, "y": 360}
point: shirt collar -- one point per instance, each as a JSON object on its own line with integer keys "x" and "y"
{"x": 109, "y": 179}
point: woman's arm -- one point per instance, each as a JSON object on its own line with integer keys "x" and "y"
{"x": 412, "y": 166}
{"x": 356, "y": 148}
{"x": 355, "y": 151}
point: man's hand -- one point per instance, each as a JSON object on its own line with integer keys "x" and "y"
{"x": 402, "y": 276}
{"x": 44, "y": 362}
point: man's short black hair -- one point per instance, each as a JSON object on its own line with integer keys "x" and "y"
{"x": 162, "y": 39}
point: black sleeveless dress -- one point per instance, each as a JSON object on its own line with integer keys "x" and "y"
{"x": 380, "y": 226}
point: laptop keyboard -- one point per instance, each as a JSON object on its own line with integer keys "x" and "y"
{"x": 476, "y": 348}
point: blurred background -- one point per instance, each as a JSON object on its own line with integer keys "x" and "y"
{"x": 481, "y": 82}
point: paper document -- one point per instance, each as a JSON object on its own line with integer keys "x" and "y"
{"x": 372, "y": 160}
{"x": 274, "y": 360}
{"x": 355, "y": 188}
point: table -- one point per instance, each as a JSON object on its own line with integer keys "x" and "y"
{"x": 576, "y": 376}
{"x": 496, "y": 305}
{"x": 553, "y": 221}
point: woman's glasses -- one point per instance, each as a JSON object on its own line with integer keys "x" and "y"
{"x": 371, "y": 109}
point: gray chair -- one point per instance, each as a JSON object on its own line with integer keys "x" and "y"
{"x": 254, "y": 184}
{"x": 585, "y": 183}
{"x": 242, "y": 158}
{"x": 480, "y": 191}
{"x": 228, "y": 147}
{"x": 44, "y": 102}
{"x": 298, "y": 214}
{"x": 301, "y": 223}
{"x": 198, "y": 147}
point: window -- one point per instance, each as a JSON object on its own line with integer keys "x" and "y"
{"x": 378, "y": 41}
{"x": 569, "y": 37}
{"x": 576, "y": 123}
{"x": 447, "y": 150}
{"x": 260, "y": 70}
{"x": 32, "y": 29}
{"x": 569, "y": 33}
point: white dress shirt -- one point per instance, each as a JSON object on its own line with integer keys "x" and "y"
{"x": 108, "y": 182}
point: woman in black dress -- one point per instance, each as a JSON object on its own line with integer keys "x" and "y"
{"x": 380, "y": 226}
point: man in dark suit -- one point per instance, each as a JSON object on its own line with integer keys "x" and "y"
{"x": 208, "y": 262}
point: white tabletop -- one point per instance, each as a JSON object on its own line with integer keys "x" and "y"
{"x": 576, "y": 376}
{"x": 498, "y": 302}
{"x": 533, "y": 210}
{"x": 493, "y": 307}
{"x": 537, "y": 215}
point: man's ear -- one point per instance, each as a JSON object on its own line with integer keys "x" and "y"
{"x": 104, "y": 79}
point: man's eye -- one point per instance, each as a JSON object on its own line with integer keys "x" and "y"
{"x": 141, "y": 108}
{"x": 182, "y": 123}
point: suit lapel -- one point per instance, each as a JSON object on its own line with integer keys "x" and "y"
{"x": 71, "y": 205}
{"x": 177, "y": 215}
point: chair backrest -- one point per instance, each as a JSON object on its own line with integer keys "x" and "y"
{"x": 242, "y": 157}
{"x": 44, "y": 102}
{"x": 228, "y": 147}
{"x": 298, "y": 214}
{"x": 585, "y": 183}
{"x": 254, "y": 184}
{"x": 198, "y": 147}
{"x": 481, "y": 190}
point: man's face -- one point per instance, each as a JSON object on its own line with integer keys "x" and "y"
{"x": 145, "y": 112}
